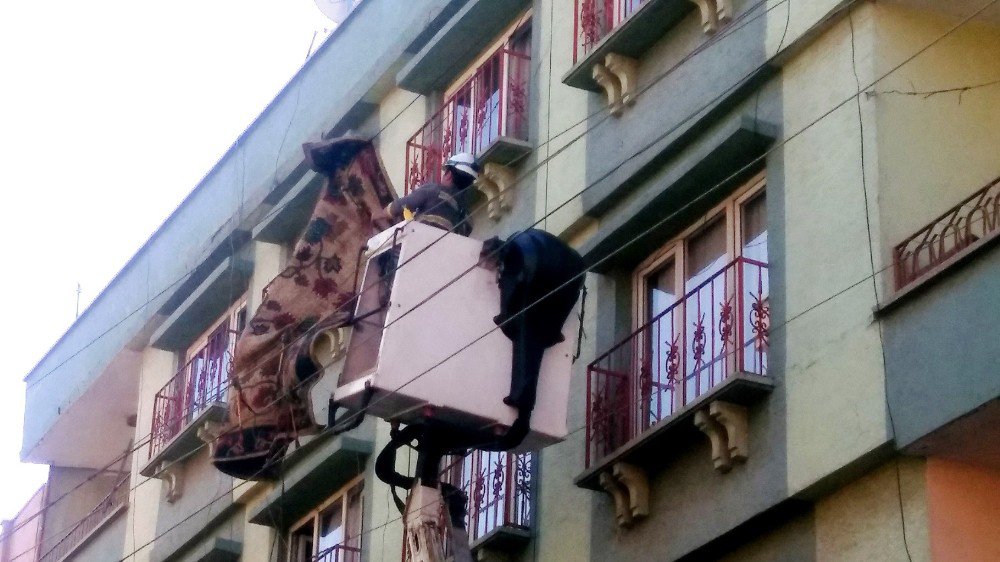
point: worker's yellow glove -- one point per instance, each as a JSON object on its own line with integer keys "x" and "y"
{"x": 407, "y": 214}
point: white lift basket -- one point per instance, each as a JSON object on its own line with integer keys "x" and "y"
{"x": 396, "y": 352}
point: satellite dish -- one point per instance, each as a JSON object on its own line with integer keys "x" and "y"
{"x": 336, "y": 10}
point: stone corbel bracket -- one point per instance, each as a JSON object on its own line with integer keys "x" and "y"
{"x": 209, "y": 432}
{"x": 172, "y": 474}
{"x": 714, "y": 13}
{"x": 628, "y": 486}
{"x": 495, "y": 182}
{"x": 618, "y": 77}
{"x": 725, "y": 424}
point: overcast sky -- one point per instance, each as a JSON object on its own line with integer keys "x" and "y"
{"x": 110, "y": 113}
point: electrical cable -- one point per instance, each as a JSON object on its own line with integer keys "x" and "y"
{"x": 659, "y": 223}
{"x": 800, "y": 131}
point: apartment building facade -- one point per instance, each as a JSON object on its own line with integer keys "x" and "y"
{"x": 788, "y": 209}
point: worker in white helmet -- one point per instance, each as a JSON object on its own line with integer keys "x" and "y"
{"x": 441, "y": 204}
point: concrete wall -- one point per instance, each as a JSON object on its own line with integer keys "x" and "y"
{"x": 62, "y": 516}
{"x": 106, "y": 544}
{"x": 934, "y": 150}
{"x": 21, "y": 535}
{"x": 147, "y": 493}
{"x": 865, "y": 520}
{"x": 964, "y": 506}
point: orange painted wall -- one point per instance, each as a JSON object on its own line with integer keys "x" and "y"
{"x": 964, "y": 511}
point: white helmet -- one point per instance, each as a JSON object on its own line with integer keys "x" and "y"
{"x": 465, "y": 163}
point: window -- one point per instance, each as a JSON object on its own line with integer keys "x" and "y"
{"x": 331, "y": 533}
{"x": 209, "y": 359}
{"x": 486, "y": 104}
{"x": 701, "y": 314}
{"x": 201, "y": 382}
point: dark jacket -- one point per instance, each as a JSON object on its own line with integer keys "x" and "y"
{"x": 436, "y": 205}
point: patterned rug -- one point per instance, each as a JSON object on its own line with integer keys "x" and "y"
{"x": 271, "y": 371}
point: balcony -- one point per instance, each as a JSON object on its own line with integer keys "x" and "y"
{"x": 486, "y": 115}
{"x": 711, "y": 345}
{"x": 498, "y": 486}
{"x": 948, "y": 239}
{"x": 108, "y": 508}
{"x": 197, "y": 393}
{"x": 628, "y": 28}
{"x": 339, "y": 553}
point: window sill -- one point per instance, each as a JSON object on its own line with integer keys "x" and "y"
{"x": 505, "y": 151}
{"x": 186, "y": 441}
{"x": 631, "y": 38}
{"x": 741, "y": 388}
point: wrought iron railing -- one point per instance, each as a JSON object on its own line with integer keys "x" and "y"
{"x": 498, "y": 486}
{"x": 339, "y": 553}
{"x": 718, "y": 328}
{"x": 201, "y": 382}
{"x": 970, "y": 223}
{"x": 491, "y": 104}
{"x": 593, "y": 20}
{"x": 116, "y": 498}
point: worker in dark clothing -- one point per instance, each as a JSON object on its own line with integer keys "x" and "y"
{"x": 540, "y": 280}
{"x": 441, "y": 204}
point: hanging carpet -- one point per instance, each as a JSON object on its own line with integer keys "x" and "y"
{"x": 271, "y": 370}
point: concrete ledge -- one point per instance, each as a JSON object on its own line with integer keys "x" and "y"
{"x": 504, "y": 538}
{"x": 739, "y": 388}
{"x": 457, "y": 44}
{"x": 197, "y": 313}
{"x": 703, "y": 165}
{"x": 313, "y": 473}
{"x": 186, "y": 441}
{"x": 290, "y": 214}
{"x": 222, "y": 550}
{"x": 505, "y": 151}
{"x": 633, "y": 37}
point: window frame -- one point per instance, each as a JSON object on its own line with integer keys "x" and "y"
{"x": 677, "y": 247}
{"x": 314, "y": 517}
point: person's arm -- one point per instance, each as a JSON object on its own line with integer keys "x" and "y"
{"x": 415, "y": 201}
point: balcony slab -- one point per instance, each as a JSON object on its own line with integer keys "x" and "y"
{"x": 633, "y": 37}
{"x": 457, "y": 44}
{"x": 740, "y": 388}
{"x": 186, "y": 441}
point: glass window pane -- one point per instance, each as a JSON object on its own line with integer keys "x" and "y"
{"x": 754, "y": 235}
{"x": 354, "y": 515}
{"x": 301, "y": 543}
{"x": 660, "y": 289}
{"x": 706, "y": 253}
{"x": 331, "y": 526}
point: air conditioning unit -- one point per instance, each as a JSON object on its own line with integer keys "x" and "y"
{"x": 425, "y": 344}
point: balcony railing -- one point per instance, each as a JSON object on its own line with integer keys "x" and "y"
{"x": 963, "y": 227}
{"x": 201, "y": 382}
{"x": 498, "y": 486}
{"x": 490, "y": 105}
{"x": 108, "y": 506}
{"x": 718, "y": 328}
{"x": 595, "y": 19}
{"x": 339, "y": 553}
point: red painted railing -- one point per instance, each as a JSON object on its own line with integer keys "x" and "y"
{"x": 718, "y": 328}
{"x": 116, "y": 498}
{"x": 595, "y": 19}
{"x": 498, "y": 486}
{"x": 200, "y": 383}
{"x": 970, "y": 223}
{"x": 491, "y": 104}
{"x": 339, "y": 553}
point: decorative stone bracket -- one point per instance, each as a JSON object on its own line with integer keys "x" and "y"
{"x": 725, "y": 424}
{"x": 618, "y": 77}
{"x": 495, "y": 182}
{"x": 172, "y": 474}
{"x": 629, "y": 488}
{"x": 714, "y": 13}
{"x": 208, "y": 432}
